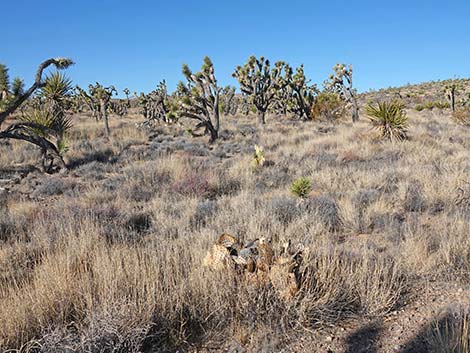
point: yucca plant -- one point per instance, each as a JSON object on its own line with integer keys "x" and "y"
{"x": 389, "y": 118}
{"x": 47, "y": 121}
{"x": 301, "y": 187}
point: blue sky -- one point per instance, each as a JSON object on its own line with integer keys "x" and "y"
{"x": 137, "y": 44}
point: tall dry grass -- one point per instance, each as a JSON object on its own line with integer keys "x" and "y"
{"x": 108, "y": 258}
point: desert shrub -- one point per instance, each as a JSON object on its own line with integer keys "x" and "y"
{"x": 205, "y": 209}
{"x": 54, "y": 186}
{"x": 451, "y": 333}
{"x": 361, "y": 201}
{"x": 326, "y": 209}
{"x": 192, "y": 185}
{"x": 284, "y": 209}
{"x": 366, "y": 197}
{"x": 328, "y": 106}
{"x": 94, "y": 170}
{"x": 414, "y": 200}
{"x": 434, "y": 104}
{"x": 92, "y": 154}
{"x": 389, "y": 118}
{"x": 419, "y": 107}
{"x": 462, "y": 116}
{"x": 139, "y": 222}
{"x": 224, "y": 184}
{"x": 379, "y": 284}
{"x": 301, "y": 187}
{"x": 389, "y": 184}
{"x": 7, "y": 224}
{"x": 274, "y": 177}
{"x": 337, "y": 284}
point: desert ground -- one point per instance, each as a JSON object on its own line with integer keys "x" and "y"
{"x": 109, "y": 257}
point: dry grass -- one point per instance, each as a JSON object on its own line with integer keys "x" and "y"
{"x": 108, "y": 258}
{"x": 451, "y": 333}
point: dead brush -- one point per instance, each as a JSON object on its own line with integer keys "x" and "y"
{"x": 462, "y": 116}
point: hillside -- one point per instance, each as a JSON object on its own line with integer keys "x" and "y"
{"x": 421, "y": 94}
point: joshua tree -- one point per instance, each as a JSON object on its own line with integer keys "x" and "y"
{"x": 303, "y": 95}
{"x": 83, "y": 98}
{"x": 127, "y": 92}
{"x": 282, "y": 101}
{"x": 261, "y": 83}
{"x": 40, "y": 125}
{"x": 342, "y": 81}
{"x": 199, "y": 98}
{"x": 118, "y": 107}
{"x": 450, "y": 90}
{"x": 228, "y": 105}
{"x": 4, "y": 83}
{"x": 154, "y": 105}
{"x": 98, "y": 98}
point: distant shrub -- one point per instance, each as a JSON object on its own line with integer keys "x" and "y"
{"x": 462, "y": 116}
{"x": 389, "y": 118}
{"x": 301, "y": 187}
{"x": 328, "y": 106}
{"x": 327, "y": 209}
{"x": 414, "y": 199}
{"x": 192, "y": 185}
{"x": 204, "y": 211}
{"x": 432, "y": 105}
{"x": 284, "y": 209}
{"x": 139, "y": 222}
{"x": 53, "y": 186}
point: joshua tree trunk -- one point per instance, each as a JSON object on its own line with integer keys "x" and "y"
{"x": 214, "y": 132}
{"x": 216, "y": 113}
{"x": 104, "y": 115}
{"x": 355, "y": 112}
{"x": 452, "y": 99}
{"x": 261, "y": 117}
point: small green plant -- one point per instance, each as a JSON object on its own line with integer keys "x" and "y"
{"x": 389, "y": 118}
{"x": 419, "y": 107}
{"x": 258, "y": 158}
{"x": 301, "y": 187}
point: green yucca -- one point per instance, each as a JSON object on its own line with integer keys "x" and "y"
{"x": 389, "y": 117}
{"x": 40, "y": 122}
{"x": 57, "y": 87}
{"x": 301, "y": 187}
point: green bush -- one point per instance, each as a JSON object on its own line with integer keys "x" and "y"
{"x": 329, "y": 106}
{"x": 301, "y": 187}
{"x": 389, "y": 118}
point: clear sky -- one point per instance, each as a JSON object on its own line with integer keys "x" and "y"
{"x": 136, "y": 44}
